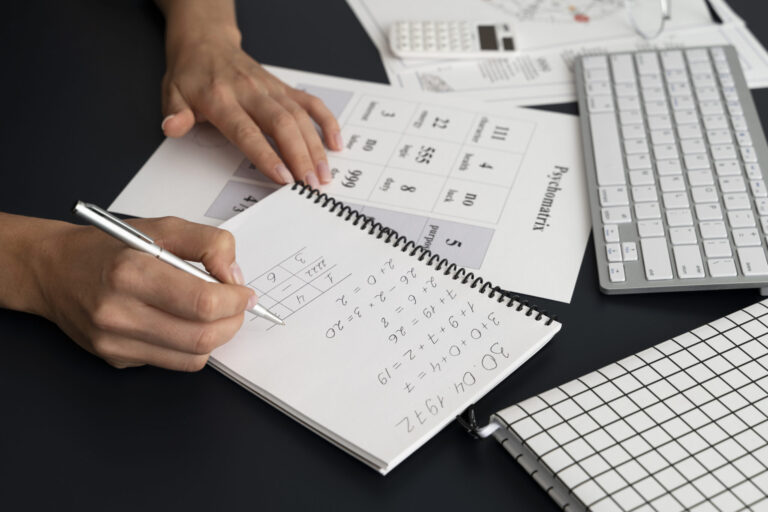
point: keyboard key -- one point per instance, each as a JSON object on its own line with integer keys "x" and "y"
{"x": 662, "y": 136}
{"x": 723, "y": 267}
{"x": 645, "y": 211}
{"x": 681, "y": 102}
{"x": 736, "y": 201}
{"x": 596, "y": 75}
{"x": 651, "y": 80}
{"x": 746, "y": 237}
{"x": 688, "y": 261}
{"x": 715, "y": 122}
{"x": 644, "y": 194}
{"x": 676, "y": 76}
{"x": 748, "y": 154}
{"x": 711, "y": 107}
{"x": 631, "y": 117}
{"x": 732, "y": 184}
{"x": 741, "y": 219}
{"x": 623, "y": 68}
{"x": 764, "y": 224}
{"x": 704, "y": 194}
{"x": 686, "y": 117}
{"x": 635, "y": 146}
{"x": 698, "y": 161}
{"x": 616, "y": 215}
{"x": 707, "y": 93}
{"x": 641, "y": 161}
{"x": 734, "y": 107}
{"x": 669, "y": 167}
{"x": 653, "y": 93}
{"x": 613, "y": 196}
{"x": 718, "y": 136}
{"x": 647, "y": 63}
{"x": 624, "y": 90}
{"x": 753, "y": 171}
{"x": 717, "y": 248}
{"x": 598, "y": 88}
{"x": 665, "y": 151}
{"x": 633, "y": 131}
{"x": 659, "y": 122}
{"x": 672, "y": 183}
{"x": 611, "y": 233}
{"x": 609, "y": 162}
{"x": 644, "y": 177}
{"x": 723, "y": 151}
{"x": 616, "y": 272}
{"x": 701, "y": 177}
{"x": 675, "y": 200}
{"x": 711, "y": 229}
{"x": 697, "y": 55}
{"x": 728, "y": 168}
{"x": 758, "y": 188}
{"x": 688, "y": 131}
{"x": 743, "y": 138}
{"x": 595, "y": 62}
{"x": 650, "y": 228}
{"x": 613, "y": 252}
{"x": 762, "y": 206}
{"x": 691, "y": 146}
{"x": 672, "y": 59}
{"x": 656, "y": 259}
{"x": 629, "y": 251}
{"x": 600, "y": 104}
{"x": 709, "y": 211}
{"x": 753, "y": 261}
{"x": 700, "y": 68}
{"x": 655, "y": 107}
{"x": 739, "y": 122}
{"x": 703, "y": 79}
{"x": 628, "y": 103}
{"x": 682, "y": 236}
{"x": 681, "y": 217}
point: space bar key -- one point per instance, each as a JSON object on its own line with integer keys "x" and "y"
{"x": 656, "y": 258}
{"x": 609, "y": 162}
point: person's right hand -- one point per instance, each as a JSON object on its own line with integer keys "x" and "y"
{"x": 131, "y": 309}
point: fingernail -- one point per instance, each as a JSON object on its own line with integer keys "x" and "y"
{"x": 252, "y": 301}
{"x": 324, "y": 172}
{"x": 284, "y": 173}
{"x": 167, "y": 118}
{"x": 311, "y": 180}
{"x": 338, "y": 142}
{"x": 237, "y": 273}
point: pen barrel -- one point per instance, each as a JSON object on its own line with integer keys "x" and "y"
{"x": 187, "y": 267}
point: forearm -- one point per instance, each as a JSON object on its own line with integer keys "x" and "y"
{"x": 22, "y": 247}
{"x": 196, "y": 19}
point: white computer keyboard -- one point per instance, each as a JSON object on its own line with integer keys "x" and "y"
{"x": 675, "y": 156}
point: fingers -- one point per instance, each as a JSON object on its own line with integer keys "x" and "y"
{"x": 311, "y": 137}
{"x": 122, "y": 352}
{"x": 280, "y": 124}
{"x": 322, "y": 116}
{"x": 230, "y": 118}
{"x": 179, "y": 117}
{"x": 130, "y": 319}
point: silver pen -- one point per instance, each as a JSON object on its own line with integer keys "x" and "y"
{"x": 141, "y": 242}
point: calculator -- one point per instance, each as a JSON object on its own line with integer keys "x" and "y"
{"x": 450, "y": 39}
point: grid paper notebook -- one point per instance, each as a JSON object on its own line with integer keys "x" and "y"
{"x": 680, "y": 426}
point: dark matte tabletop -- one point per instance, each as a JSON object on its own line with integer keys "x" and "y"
{"x": 80, "y": 115}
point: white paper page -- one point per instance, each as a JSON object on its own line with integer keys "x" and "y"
{"x": 380, "y": 350}
{"x": 499, "y": 191}
{"x": 544, "y": 76}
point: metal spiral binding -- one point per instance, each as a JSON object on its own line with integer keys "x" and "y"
{"x": 395, "y": 239}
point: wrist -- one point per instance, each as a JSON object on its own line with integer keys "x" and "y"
{"x": 191, "y": 23}
{"x": 27, "y": 253}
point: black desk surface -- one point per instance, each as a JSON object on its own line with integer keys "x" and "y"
{"x": 80, "y": 115}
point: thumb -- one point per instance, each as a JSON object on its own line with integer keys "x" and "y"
{"x": 179, "y": 118}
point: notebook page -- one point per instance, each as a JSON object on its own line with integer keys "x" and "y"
{"x": 380, "y": 350}
{"x": 682, "y": 425}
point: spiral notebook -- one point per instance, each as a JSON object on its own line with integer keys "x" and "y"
{"x": 679, "y": 426}
{"x": 385, "y": 342}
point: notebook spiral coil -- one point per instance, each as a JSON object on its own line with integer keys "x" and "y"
{"x": 401, "y": 242}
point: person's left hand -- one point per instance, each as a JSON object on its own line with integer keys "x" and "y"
{"x": 210, "y": 78}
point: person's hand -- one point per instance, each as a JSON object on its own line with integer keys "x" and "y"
{"x": 210, "y": 78}
{"x": 130, "y": 308}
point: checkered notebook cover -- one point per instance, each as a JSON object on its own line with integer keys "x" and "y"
{"x": 679, "y": 426}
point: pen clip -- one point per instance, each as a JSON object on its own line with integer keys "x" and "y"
{"x": 119, "y": 222}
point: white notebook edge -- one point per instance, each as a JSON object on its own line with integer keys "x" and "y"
{"x": 535, "y": 467}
